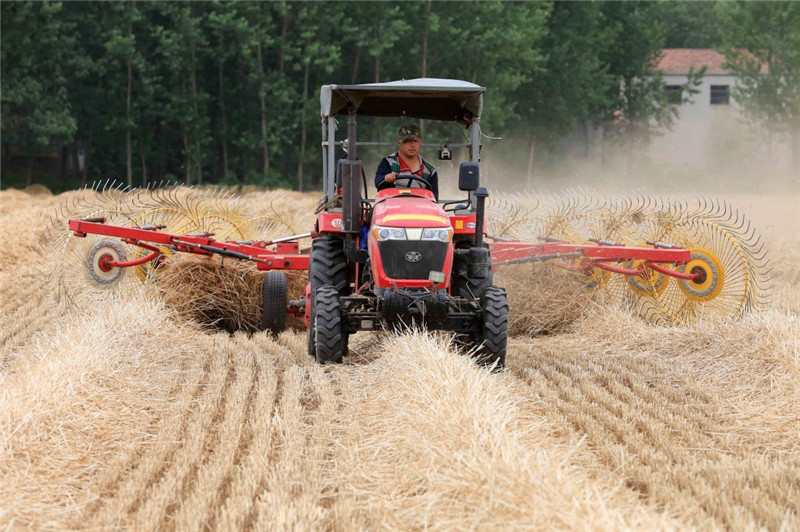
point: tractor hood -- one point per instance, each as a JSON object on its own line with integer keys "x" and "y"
{"x": 408, "y": 210}
{"x": 426, "y": 98}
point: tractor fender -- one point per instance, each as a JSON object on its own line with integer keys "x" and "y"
{"x": 329, "y": 222}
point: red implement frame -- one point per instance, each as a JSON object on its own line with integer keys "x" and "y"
{"x": 285, "y": 256}
{"x": 599, "y": 256}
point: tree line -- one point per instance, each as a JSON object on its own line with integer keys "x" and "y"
{"x": 228, "y": 92}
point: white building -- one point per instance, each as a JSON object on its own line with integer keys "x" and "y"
{"x": 711, "y": 129}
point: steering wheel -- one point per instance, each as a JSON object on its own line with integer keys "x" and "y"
{"x": 411, "y": 178}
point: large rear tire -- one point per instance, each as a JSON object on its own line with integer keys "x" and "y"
{"x": 330, "y": 341}
{"x": 276, "y": 298}
{"x": 495, "y": 328}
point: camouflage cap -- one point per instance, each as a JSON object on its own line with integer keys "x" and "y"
{"x": 409, "y": 132}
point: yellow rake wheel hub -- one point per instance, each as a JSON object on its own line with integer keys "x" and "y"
{"x": 149, "y": 270}
{"x": 592, "y": 277}
{"x": 711, "y": 275}
{"x": 649, "y": 283}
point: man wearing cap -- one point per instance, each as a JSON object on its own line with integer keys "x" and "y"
{"x": 407, "y": 160}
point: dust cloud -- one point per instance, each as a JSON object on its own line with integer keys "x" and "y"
{"x": 723, "y": 157}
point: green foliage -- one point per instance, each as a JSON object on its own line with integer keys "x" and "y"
{"x": 636, "y": 93}
{"x": 692, "y": 24}
{"x": 228, "y": 91}
{"x": 767, "y": 64}
{"x": 763, "y": 49}
{"x": 36, "y": 42}
{"x": 571, "y": 86}
{"x": 467, "y": 43}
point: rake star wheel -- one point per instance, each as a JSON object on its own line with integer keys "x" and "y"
{"x": 151, "y": 269}
{"x": 72, "y": 268}
{"x": 722, "y": 287}
{"x": 184, "y": 211}
{"x": 590, "y": 277}
{"x": 730, "y": 259}
{"x": 66, "y": 267}
{"x": 726, "y": 257}
{"x": 272, "y": 214}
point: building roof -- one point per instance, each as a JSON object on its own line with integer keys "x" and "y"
{"x": 681, "y": 60}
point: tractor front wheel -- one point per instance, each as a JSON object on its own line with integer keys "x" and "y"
{"x": 330, "y": 340}
{"x": 466, "y": 286}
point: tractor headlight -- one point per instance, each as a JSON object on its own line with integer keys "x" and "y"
{"x": 388, "y": 233}
{"x": 437, "y": 234}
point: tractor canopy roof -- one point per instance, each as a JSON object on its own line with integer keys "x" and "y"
{"x": 425, "y": 98}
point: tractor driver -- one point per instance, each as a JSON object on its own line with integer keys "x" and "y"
{"x": 407, "y": 160}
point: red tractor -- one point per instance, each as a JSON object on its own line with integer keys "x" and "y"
{"x": 403, "y": 258}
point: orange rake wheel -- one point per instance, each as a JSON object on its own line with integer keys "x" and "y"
{"x": 728, "y": 281}
{"x": 727, "y": 258}
{"x": 74, "y": 268}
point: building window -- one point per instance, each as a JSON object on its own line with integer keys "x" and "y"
{"x": 674, "y": 93}
{"x": 720, "y": 95}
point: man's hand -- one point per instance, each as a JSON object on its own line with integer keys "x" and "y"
{"x": 390, "y": 178}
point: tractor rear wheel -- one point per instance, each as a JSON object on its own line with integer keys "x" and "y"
{"x": 330, "y": 341}
{"x": 495, "y": 328}
{"x": 273, "y": 307}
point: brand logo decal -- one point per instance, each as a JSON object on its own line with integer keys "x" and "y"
{"x": 471, "y": 225}
{"x": 413, "y": 256}
{"x": 337, "y": 222}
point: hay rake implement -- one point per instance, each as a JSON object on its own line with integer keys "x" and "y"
{"x": 406, "y": 257}
{"x": 726, "y": 274}
{"x": 82, "y": 268}
{"x": 670, "y": 260}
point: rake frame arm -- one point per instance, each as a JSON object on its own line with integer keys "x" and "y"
{"x": 502, "y": 251}
{"x": 285, "y": 256}
{"x": 512, "y": 252}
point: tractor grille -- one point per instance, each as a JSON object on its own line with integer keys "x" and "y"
{"x": 397, "y": 266}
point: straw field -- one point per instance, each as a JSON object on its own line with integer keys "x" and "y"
{"x": 131, "y": 413}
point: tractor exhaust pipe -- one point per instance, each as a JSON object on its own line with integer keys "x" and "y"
{"x": 479, "y": 263}
{"x": 351, "y": 183}
{"x": 352, "y": 211}
{"x": 480, "y": 208}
